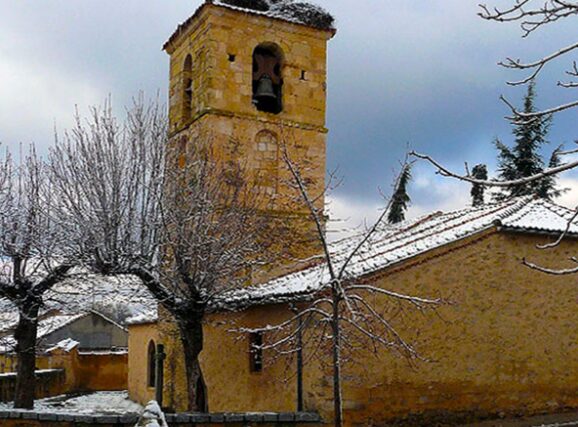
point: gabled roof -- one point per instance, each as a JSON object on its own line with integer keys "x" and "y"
{"x": 394, "y": 244}
{"x": 51, "y": 324}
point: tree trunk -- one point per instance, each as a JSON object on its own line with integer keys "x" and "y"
{"x": 337, "y": 404}
{"x": 191, "y": 331}
{"x": 25, "y": 336}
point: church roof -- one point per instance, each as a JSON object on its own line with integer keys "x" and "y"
{"x": 392, "y": 245}
{"x": 296, "y": 12}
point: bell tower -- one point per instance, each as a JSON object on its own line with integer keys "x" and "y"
{"x": 252, "y": 80}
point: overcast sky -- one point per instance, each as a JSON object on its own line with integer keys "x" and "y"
{"x": 417, "y": 72}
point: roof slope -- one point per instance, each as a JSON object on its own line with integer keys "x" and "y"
{"x": 394, "y": 244}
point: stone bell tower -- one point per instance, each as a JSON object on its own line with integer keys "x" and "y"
{"x": 251, "y": 81}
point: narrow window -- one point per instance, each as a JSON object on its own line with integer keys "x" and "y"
{"x": 232, "y": 57}
{"x": 303, "y": 75}
{"x": 267, "y": 78}
{"x": 256, "y": 351}
{"x": 187, "y": 88}
{"x": 152, "y": 366}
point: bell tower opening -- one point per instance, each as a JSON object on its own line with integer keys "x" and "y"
{"x": 267, "y": 78}
{"x": 187, "y": 87}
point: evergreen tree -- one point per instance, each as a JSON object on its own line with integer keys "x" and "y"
{"x": 400, "y": 198}
{"x": 479, "y": 172}
{"x": 524, "y": 158}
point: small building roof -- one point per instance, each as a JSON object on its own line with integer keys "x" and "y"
{"x": 47, "y": 326}
{"x": 392, "y": 245}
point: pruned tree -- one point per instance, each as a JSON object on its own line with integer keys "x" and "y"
{"x": 479, "y": 172}
{"x": 532, "y": 16}
{"x": 175, "y": 214}
{"x": 400, "y": 198}
{"x": 33, "y": 254}
{"x": 342, "y": 317}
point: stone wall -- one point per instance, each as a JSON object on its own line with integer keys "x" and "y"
{"x": 76, "y": 372}
{"x": 48, "y": 383}
{"x": 30, "y": 419}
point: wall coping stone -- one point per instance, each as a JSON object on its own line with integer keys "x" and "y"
{"x": 173, "y": 419}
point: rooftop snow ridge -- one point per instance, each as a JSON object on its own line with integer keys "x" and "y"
{"x": 299, "y": 12}
{"x": 393, "y": 244}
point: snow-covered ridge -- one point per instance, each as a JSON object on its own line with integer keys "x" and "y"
{"x": 298, "y": 12}
{"x": 391, "y": 245}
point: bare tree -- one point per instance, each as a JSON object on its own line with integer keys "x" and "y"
{"x": 533, "y": 15}
{"x": 343, "y": 316}
{"x": 33, "y": 257}
{"x": 183, "y": 219}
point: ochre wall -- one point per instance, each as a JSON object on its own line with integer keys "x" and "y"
{"x": 139, "y": 338}
{"x": 507, "y": 343}
{"x": 86, "y": 372}
{"x": 89, "y": 372}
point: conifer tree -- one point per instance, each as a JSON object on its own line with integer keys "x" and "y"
{"x": 479, "y": 172}
{"x": 524, "y": 158}
{"x": 400, "y": 199}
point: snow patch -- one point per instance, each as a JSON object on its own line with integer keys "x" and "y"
{"x": 101, "y": 403}
{"x": 67, "y": 345}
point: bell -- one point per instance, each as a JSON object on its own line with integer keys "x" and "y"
{"x": 265, "y": 90}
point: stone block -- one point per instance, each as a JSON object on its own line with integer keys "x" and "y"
{"x": 286, "y": 417}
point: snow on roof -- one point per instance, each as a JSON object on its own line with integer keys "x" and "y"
{"x": 79, "y": 294}
{"x": 67, "y": 345}
{"x": 143, "y": 318}
{"x": 46, "y": 326}
{"x": 297, "y": 12}
{"x": 394, "y": 244}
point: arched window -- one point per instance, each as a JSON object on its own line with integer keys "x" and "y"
{"x": 267, "y": 161}
{"x": 268, "y": 78}
{"x": 152, "y": 365}
{"x": 187, "y": 87}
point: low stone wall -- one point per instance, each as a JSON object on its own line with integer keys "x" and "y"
{"x": 49, "y": 382}
{"x": 31, "y": 419}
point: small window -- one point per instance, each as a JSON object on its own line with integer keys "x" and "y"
{"x": 256, "y": 351}
{"x": 152, "y": 365}
{"x": 303, "y": 75}
{"x": 232, "y": 58}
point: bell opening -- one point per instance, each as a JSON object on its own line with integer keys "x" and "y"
{"x": 267, "y": 79}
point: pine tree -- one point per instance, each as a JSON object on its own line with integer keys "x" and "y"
{"x": 400, "y": 198}
{"x": 524, "y": 158}
{"x": 479, "y": 172}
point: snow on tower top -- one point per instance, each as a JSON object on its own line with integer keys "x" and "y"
{"x": 296, "y": 12}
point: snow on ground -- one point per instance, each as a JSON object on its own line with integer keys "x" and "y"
{"x": 100, "y": 403}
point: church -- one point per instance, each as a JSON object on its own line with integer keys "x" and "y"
{"x": 505, "y": 343}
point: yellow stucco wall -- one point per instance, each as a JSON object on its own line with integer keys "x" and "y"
{"x": 139, "y": 338}
{"x": 508, "y": 343}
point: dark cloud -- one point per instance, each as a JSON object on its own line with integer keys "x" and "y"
{"x": 419, "y": 72}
